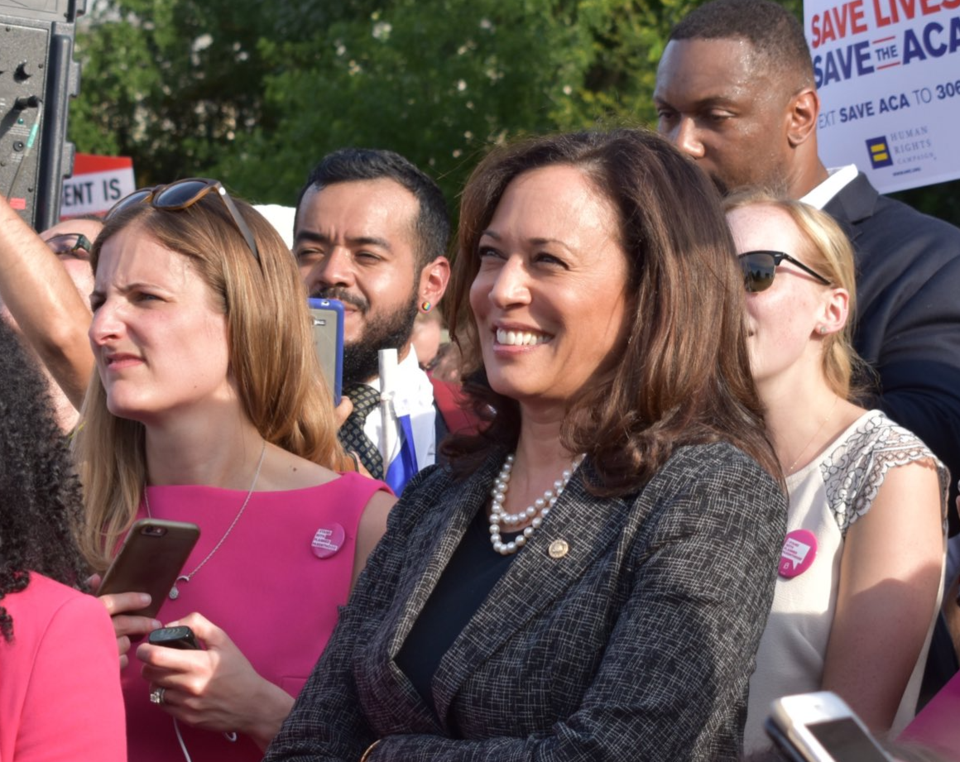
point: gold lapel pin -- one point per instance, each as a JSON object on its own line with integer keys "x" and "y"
{"x": 558, "y": 548}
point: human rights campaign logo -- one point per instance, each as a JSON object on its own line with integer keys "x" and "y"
{"x": 879, "y": 153}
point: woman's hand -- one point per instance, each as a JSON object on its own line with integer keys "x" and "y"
{"x": 341, "y": 413}
{"x": 126, "y": 626}
{"x": 217, "y": 688}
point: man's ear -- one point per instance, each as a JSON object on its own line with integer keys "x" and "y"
{"x": 433, "y": 281}
{"x": 802, "y": 113}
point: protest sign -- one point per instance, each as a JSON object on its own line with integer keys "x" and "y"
{"x": 98, "y": 182}
{"x": 888, "y": 74}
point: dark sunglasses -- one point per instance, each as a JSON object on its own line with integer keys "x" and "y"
{"x": 183, "y": 194}
{"x": 75, "y": 244}
{"x": 759, "y": 267}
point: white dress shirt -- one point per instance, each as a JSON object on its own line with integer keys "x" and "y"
{"x": 820, "y": 196}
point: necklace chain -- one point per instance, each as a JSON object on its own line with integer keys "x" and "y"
{"x": 535, "y": 513}
{"x": 806, "y": 447}
{"x": 174, "y": 592}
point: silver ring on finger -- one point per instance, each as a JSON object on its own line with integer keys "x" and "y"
{"x": 156, "y": 695}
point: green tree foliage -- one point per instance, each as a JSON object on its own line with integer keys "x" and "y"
{"x": 256, "y": 92}
{"x": 169, "y": 82}
{"x": 436, "y": 80}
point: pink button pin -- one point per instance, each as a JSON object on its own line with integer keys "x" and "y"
{"x": 799, "y": 550}
{"x": 327, "y": 541}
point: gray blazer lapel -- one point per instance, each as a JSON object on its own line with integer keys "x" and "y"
{"x": 432, "y": 543}
{"x": 533, "y": 581}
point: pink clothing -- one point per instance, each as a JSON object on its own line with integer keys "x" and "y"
{"x": 266, "y": 587}
{"x": 59, "y": 684}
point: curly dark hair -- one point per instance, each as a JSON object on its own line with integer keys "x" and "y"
{"x": 40, "y": 501}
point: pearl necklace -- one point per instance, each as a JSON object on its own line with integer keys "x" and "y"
{"x": 174, "y": 592}
{"x": 535, "y": 513}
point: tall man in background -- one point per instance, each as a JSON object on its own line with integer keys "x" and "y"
{"x": 371, "y": 230}
{"x": 735, "y": 91}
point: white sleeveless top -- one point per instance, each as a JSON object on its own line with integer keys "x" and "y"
{"x": 826, "y": 497}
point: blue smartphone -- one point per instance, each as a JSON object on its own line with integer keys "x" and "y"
{"x": 327, "y": 318}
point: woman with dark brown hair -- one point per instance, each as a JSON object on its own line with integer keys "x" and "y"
{"x": 590, "y": 577}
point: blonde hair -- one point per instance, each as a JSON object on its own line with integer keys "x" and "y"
{"x": 272, "y": 360}
{"x": 827, "y": 250}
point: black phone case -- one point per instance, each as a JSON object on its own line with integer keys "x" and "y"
{"x": 150, "y": 560}
{"x": 174, "y": 637}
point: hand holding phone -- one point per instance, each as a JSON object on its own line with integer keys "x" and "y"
{"x": 224, "y": 690}
{"x": 152, "y": 556}
{"x": 127, "y": 628}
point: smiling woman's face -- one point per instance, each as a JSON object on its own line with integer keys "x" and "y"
{"x": 550, "y": 296}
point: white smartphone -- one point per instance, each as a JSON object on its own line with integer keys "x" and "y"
{"x": 820, "y": 727}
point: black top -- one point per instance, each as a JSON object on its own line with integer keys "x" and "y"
{"x": 469, "y": 577}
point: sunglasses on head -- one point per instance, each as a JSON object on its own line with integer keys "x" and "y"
{"x": 759, "y": 267}
{"x": 75, "y": 244}
{"x": 182, "y": 195}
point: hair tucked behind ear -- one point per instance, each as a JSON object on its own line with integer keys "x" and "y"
{"x": 683, "y": 375}
{"x": 829, "y": 252}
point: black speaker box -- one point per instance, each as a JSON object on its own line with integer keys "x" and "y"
{"x": 38, "y": 76}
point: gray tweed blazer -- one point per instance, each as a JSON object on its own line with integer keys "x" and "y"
{"x": 635, "y": 645}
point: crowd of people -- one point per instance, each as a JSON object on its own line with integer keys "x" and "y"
{"x": 688, "y": 452}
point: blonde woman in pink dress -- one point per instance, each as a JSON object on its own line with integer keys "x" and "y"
{"x": 208, "y": 406}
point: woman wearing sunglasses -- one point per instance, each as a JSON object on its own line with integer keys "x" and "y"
{"x": 209, "y": 407}
{"x": 859, "y": 579}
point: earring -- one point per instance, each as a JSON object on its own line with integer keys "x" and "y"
{"x": 823, "y": 330}
{"x": 426, "y": 306}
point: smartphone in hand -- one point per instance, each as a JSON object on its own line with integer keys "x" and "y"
{"x": 327, "y": 318}
{"x": 152, "y": 556}
{"x": 174, "y": 637}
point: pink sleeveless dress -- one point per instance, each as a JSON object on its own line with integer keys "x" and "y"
{"x": 270, "y": 587}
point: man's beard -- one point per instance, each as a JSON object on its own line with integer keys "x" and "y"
{"x": 776, "y": 184}
{"x": 361, "y": 359}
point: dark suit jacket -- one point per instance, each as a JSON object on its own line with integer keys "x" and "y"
{"x": 908, "y": 314}
{"x": 635, "y": 645}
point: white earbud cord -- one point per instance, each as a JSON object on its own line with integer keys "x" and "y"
{"x": 231, "y": 737}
